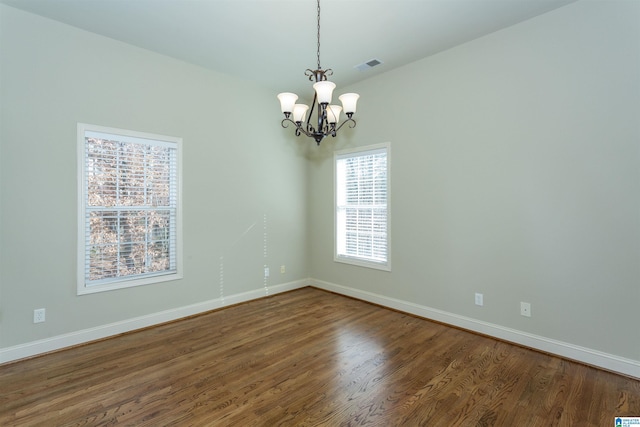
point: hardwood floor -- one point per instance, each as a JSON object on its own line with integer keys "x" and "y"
{"x": 309, "y": 358}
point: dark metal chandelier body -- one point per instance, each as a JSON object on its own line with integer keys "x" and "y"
{"x": 328, "y": 115}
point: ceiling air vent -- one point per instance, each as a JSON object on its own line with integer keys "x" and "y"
{"x": 368, "y": 65}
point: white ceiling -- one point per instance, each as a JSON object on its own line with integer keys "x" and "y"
{"x": 274, "y": 41}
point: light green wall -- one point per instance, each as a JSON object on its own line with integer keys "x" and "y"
{"x": 515, "y": 172}
{"x": 240, "y": 179}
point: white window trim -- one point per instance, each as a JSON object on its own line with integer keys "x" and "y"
{"x": 385, "y": 266}
{"x": 82, "y": 287}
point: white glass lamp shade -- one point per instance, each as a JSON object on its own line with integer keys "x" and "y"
{"x": 324, "y": 90}
{"x": 333, "y": 113}
{"x": 349, "y": 101}
{"x": 299, "y": 112}
{"x": 287, "y": 101}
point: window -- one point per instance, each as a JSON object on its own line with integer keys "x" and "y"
{"x": 361, "y": 202}
{"x": 129, "y": 208}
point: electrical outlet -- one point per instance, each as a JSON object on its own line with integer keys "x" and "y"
{"x": 479, "y": 299}
{"x": 525, "y": 309}
{"x": 39, "y": 315}
{"x": 283, "y": 269}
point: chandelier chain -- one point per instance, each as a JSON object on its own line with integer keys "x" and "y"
{"x": 319, "y": 68}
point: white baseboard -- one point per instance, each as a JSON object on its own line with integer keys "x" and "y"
{"x": 585, "y": 355}
{"x": 567, "y": 350}
{"x": 86, "y": 335}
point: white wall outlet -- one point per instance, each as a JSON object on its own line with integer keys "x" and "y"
{"x": 479, "y": 299}
{"x": 283, "y": 269}
{"x": 525, "y": 309}
{"x": 39, "y": 315}
{"x": 266, "y": 272}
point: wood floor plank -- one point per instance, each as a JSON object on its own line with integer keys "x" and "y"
{"x": 309, "y": 358}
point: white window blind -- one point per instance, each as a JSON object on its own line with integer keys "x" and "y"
{"x": 129, "y": 208}
{"x": 362, "y": 217}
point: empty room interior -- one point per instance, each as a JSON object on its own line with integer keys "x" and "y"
{"x": 492, "y": 277}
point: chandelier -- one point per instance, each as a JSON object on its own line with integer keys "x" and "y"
{"x": 328, "y": 114}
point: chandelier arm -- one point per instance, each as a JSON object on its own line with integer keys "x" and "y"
{"x": 309, "y": 131}
{"x": 323, "y": 124}
{"x": 318, "y": 75}
{"x": 284, "y": 123}
{"x": 352, "y": 124}
{"x": 310, "y": 73}
{"x": 313, "y": 106}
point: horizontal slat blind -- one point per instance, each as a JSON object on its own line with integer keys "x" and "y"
{"x": 130, "y": 197}
{"x": 361, "y": 205}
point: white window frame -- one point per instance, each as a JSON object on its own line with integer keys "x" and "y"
{"x": 339, "y": 255}
{"x": 85, "y": 285}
